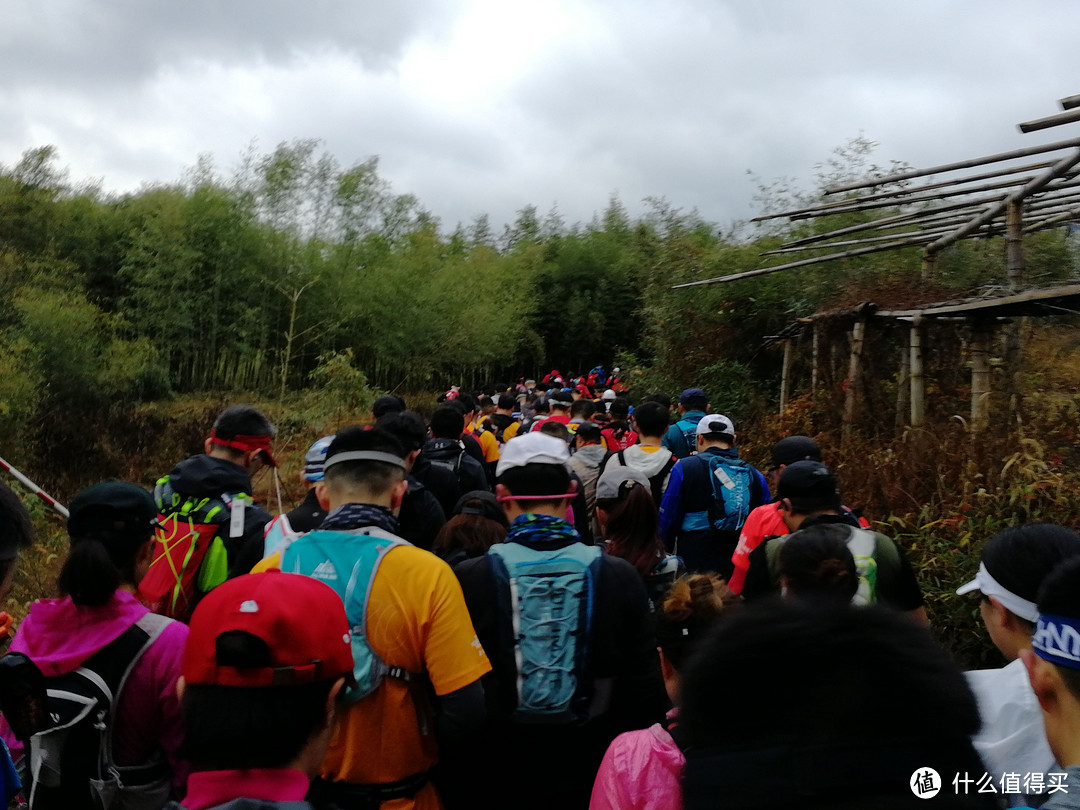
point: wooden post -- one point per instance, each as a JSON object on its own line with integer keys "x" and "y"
{"x": 929, "y": 266}
{"x": 903, "y": 389}
{"x": 785, "y": 376}
{"x": 1014, "y": 248}
{"x": 918, "y": 381}
{"x": 815, "y": 372}
{"x": 980, "y": 375}
{"x": 858, "y": 336}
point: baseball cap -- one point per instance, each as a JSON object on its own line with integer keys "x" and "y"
{"x": 691, "y": 393}
{"x": 562, "y": 398}
{"x": 795, "y": 448}
{"x": 315, "y": 458}
{"x": 1017, "y": 560}
{"x": 113, "y": 507}
{"x": 532, "y": 448}
{"x": 715, "y": 423}
{"x": 608, "y": 394}
{"x": 617, "y": 481}
{"x": 387, "y": 403}
{"x": 589, "y": 431}
{"x": 301, "y": 620}
{"x": 808, "y": 484}
{"x": 481, "y": 502}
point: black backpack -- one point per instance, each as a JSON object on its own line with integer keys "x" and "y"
{"x": 69, "y": 765}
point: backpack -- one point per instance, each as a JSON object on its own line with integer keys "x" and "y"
{"x": 71, "y": 763}
{"x": 190, "y": 557}
{"x": 862, "y": 543}
{"x": 453, "y": 465}
{"x": 546, "y": 601}
{"x": 656, "y": 482}
{"x": 688, "y": 430}
{"x": 348, "y": 561}
{"x": 732, "y": 479}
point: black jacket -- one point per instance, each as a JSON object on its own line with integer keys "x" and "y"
{"x": 308, "y": 515}
{"x": 204, "y": 476}
{"x": 468, "y": 471}
{"x": 420, "y": 517}
{"x": 560, "y": 762}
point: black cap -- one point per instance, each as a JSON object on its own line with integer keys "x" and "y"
{"x": 388, "y": 403}
{"x": 562, "y": 399}
{"x": 483, "y": 503}
{"x": 590, "y": 432}
{"x": 810, "y": 486}
{"x": 795, "y": 448}
{"x": 113, "y": 508}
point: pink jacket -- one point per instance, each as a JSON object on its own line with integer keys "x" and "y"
{"x": 59, "y": 636}
{"x": 640, "y": 771}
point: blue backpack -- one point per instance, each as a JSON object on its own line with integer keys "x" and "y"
{"x": 688, "y": 430}
{"x": 731, "y": 479}
{"x": 546, "y": 602}
{"x": 348, "y": 562}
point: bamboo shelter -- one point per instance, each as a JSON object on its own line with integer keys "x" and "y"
{"x": 931, "y": 209}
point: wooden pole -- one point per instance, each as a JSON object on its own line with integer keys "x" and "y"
{"x": 929, "y": 266}
{"x": 903, "y": 389}
{"x": 851, "y": 398}
{"x": 980, "y": 375}
{"x": 1014, "y": 244}
{"x": 815, "y": 372}
{"x": 918, "y": 381}
{"x": 785, "y": 376}
{"x": 1069, "y": 102}
{"x": 1055, "y": 120}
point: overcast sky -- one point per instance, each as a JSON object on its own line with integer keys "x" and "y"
{"x": 488, "y": 105}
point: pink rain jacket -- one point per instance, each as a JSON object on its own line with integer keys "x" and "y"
{"x": 640, "y": 771}
{"x": 59, "y": 636}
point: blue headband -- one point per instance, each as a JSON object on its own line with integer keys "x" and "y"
{"x": 1057, "y": 640}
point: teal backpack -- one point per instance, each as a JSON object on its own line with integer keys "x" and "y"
{"x": 546, "y": 601}
{"x": 347, "y": 562}
{"x": 732, "y": 480}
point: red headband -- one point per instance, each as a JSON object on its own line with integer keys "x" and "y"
{"x": 246, "y": 443}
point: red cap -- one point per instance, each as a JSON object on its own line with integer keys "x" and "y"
{"x": 247, "y": 444}
{"x": 301, "y": 620}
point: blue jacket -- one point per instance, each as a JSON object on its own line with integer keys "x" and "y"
{"x": 681, "y": 438}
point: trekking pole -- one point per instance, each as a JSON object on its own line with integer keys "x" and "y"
{"x": 30, "y": 485}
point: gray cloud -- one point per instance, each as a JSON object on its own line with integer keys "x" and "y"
{"x": 483, "y": 106}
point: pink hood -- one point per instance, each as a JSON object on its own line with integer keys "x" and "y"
{"x": 640, "y": 771}
{"x": 60, "y": 635}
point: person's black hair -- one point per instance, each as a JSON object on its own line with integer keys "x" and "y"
{"x": 243, "y": 420}
{"x": 695, "y": 403}
{"x": 375, "y": 476}
{"x": 506, "y": 402}
{"x": 542, "y": 405}
{"x": 1060, "y": 596}
{"x": 466, "y": 401}
{"x": 620, "y": 408}
{"x": 537, "y": 479}
{"x": 556, "y": 429}
{"x": 651, "y": 419}
{"x": 817, "y": 563}
{"x": 387, "y": 403}
{"x": 447, "y": 423}
{"x": 16, "y": 530}
{"x": 659, "y": 399}
{"x": 1021, "y": 557}
{"x": 407, "y": 427}
{"x": 790, "y": 683}
{"x": 582, "y": 408}
{"x": 239, "y": 728}
{"x": 542, "y": 387}
{"x": 99, "y": 562}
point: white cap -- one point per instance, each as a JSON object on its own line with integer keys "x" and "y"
{"x": 608, "y": 394}
{"x": 715, "y": 423}
{"x": 617, "y": 480}
{"x": 532, "y": 448}
{"x": 991, "y": 587}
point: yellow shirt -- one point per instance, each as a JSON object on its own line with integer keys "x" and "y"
{"x": 417, "y": 620}
{"x": 488, "y": 443}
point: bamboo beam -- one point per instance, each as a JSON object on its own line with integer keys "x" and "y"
{"x": 815, "y": 371}
{"x": 764, "y": 271}
{"x": 1055, "y": 120}
{"x": 851, "y": 398}
{"x": 961, "y": 164}
{"x": 929, "y": 266}
{"x": 996, "y": 209}
{"x": 1069, "y": 102}
{"x": 785, "y": 376}
{"x": 1014, "y": 245}
{"x": 903, "y": 389}
{"x": 870, "y": 240}
{"x": 917, "y": 380}
{"x": 1056, "y": 219}
{"x": 980, "y": 376}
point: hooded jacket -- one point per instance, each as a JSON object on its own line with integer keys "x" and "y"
{"x": 640, "y": 771}
{"x": 205, "y": 476}
{"x": 59, "y": 636}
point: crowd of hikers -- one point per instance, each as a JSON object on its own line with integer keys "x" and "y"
{"x": 539, "y": 597}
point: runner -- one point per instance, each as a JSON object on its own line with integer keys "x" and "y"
{"x": 261, "y": 691}
{"x": 445, "y": 448}
{"x": 649, "y": 457}
{"x": 548, "y": 729}
{"x": 681, "y": 437}
{"x": 98, "y": 625}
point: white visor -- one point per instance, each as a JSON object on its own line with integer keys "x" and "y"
{"x": 989, "y": 586}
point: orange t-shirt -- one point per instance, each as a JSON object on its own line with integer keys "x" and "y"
{"x": 488, "y": 443}
{"x": 417, "y": 620}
